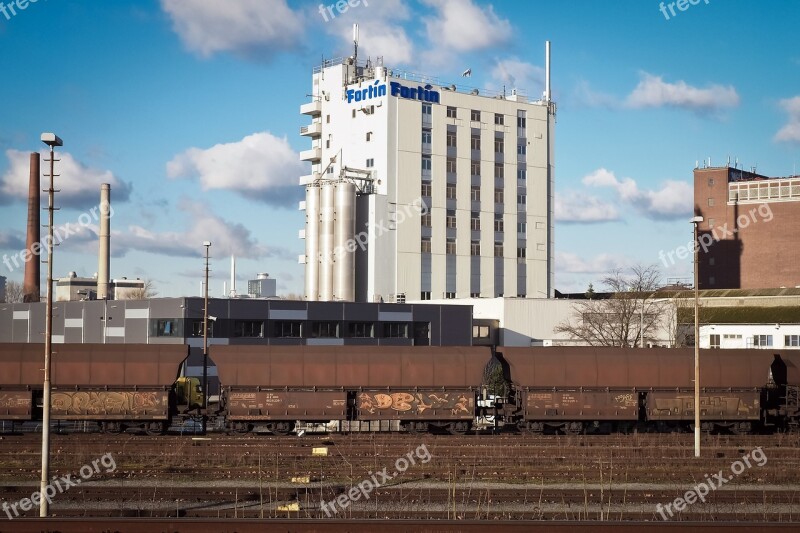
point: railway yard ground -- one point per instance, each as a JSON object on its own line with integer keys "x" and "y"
{"x": 398, "y": 476}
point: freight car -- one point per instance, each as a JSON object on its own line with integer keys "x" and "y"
{"x": 353, "y": 388}
{"x": 574, "y": 390}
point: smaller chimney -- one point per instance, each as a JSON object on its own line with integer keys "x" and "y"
{"x": 31, "y": 282}
{"x": 233, "y": 276}
{"x": 103, "y": 255}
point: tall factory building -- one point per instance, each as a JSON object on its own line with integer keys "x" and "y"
{"x": 749, "y": 237}
{"x": 422, "y": 190}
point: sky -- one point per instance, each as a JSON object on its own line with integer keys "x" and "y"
{"x": 190, "y": 110}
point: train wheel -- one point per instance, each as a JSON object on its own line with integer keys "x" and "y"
{"x": 573, "y": 428}
{"x": 112, "y": 427}
{"x": 156, "y": 428}
{"x": 458, "y": 428}
{"x": 241, "y": 427}
{"x": 281, "y": 428}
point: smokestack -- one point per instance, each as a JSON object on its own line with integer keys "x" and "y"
{"x": 547, "y": 71}
{"x": 103, "y": 254}
{"x": 233, "y": 276}
{"x": 30, "y": 284}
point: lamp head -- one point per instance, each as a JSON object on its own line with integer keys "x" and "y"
{"x": 51, "y": 139}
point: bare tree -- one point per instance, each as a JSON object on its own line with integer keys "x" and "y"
{"x": 293, "y": 296}
{"x": 13, "y": 292}
{"x": 148, "y": 290}
{"x": 623, "y": 319}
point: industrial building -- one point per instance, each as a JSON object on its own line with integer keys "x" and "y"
{"x": 749, "y": 237}
{"x": 421, "y": 190}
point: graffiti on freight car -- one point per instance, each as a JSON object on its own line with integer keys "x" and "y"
{"x": 625, "y": 399}
{"x": 15, "y": 401}
{"x": 107, "y": 402}
{"x": 418, "y": 402}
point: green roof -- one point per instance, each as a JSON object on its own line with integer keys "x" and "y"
{"x": 742, "y": 315}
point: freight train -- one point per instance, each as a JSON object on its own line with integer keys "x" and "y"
{"x": 286, "y": 389}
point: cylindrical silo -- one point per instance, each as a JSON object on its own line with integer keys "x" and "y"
{"x": 327, "y": 217}
{"x": 312, "y": 243}
{"x": 344, "y": 242}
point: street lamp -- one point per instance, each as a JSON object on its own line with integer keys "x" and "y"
{"x": 52, "y": 140}
{"x": 207, "y": 245}
{"x": 695, "y": 222}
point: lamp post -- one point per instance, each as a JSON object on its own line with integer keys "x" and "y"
{"x": 207, "y": 245}
{"x": 695, "y": 222}
{"x": 52, "y": 140}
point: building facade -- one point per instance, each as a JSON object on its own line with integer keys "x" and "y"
{"x": 749, "y": 237}
{"x": 421, "y": 191}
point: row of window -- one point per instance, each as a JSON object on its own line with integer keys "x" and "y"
{"x": 475, "y": 116}
{"x": 426, "y": 295}
{"x": 474, "y": 248}
{"x": 757, "y": 341}
{"x": 475, "y": 193}
{"x": 474, "y": 221}
{"x": 474, "y": 167}
{"x": 173, "y": 327}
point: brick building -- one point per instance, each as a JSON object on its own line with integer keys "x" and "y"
{"x": 751, "y": 222}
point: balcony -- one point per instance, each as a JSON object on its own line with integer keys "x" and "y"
{"x": 315, "y": 154}
{"x": 309, "y": 178}
{"x": 311, "y": 108}
{"x": 312, "y": 130}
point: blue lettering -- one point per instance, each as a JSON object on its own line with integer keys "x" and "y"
{"x": 378, "y": 89}
{"x": 350, "y": 95}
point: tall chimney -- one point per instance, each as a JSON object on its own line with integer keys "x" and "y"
{"x": 103, "y": 254}
{"x": 30, "y": 284}
{"x": 233, "y": 276}
{"x": 547, "y": 71}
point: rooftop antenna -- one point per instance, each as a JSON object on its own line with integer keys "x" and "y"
{"x": 355, "y": 44}
{"x": 547, "y": 71}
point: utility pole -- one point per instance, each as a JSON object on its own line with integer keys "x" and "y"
{"x": 51, "y": 140}
{"x": 207, "y": 245}
{"x": 696, "y": 221}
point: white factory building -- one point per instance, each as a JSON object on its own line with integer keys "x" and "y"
{"x": 421, "y": 190}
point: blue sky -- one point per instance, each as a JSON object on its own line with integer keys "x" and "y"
{"x": 190, "y": 109}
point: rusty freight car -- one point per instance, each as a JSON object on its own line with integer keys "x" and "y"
{"x": 591, "y": 388}
{"x": 356, "y": 387}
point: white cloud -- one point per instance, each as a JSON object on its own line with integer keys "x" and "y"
{"x": 379, "y": 31}
{"x": 255, "y": 29}
{"x": 600, "y": 264}
{"x": 79, "y": 184}
{"x": 463, "y": 26}
{"x": 581, "y": 208}
{"x": 673, "y": 200}
{"x": 260, "y": 166}
{"x": 653, "y": 91}
{"x": 515, "y": 73}
{"x": 791, "y": 131}
{"x": 227, "y": 238}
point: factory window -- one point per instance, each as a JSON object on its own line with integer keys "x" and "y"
{"x": 288, "y": 328}
{"x": 425, "y": 295}
{"x": 426, "y": 220}
{"x": 328, "y": 143}
{"x": 498, "y": 221}
{"x": 248, "y": 328}
{"x": 498, "y": 196}
{"x": 426, "y": 245}
{"x": 426, "y": 162}
{"x": 451, "y": 112}
{"x": 714, "y": 340}
{"x": 474, "y": 295}
{"x": 475, "y": 193}
{"x": 791, "y": 340}
{"x": 369, "y": 136}
{"x": 710, "y": 182}
{"x": 451, "y": 191}
{"x": 475, "y": 142}
{"x": 711, "y": 223}
{"x": 354, "y": 113}
{"x": 521, "y": 253}
{"x": 521, "y": 119}
{"x": 522, "y": 227}
{"x": 762, "y": 340}
{"x": 480, "y": 332}
{"x": 522, "y": 199}
{"x": 422, "y": 333}
{"x": 498, "y": 171}
{"x": 498, "y": 249}
{"x": 450, "y": 165}
{"x": 197, "y": 328}
{"x": 521, "y": 149}
{"x": 522, "y": 174}
{"x": 328, "y": 119}
{"x": 426, "y": 109}
{"x": 361, "y": 330}
{"x": 710, "y": 202}
{"x": 370, "y": 163}
{"x": 450, "y": 295}
{"x": 426, "y": 189}
{"x": 475, "y": 221}
{"x": 475, "y": 115}
{"x": 498, "y": 119}
{"x": 426, "y": 136}
{"x": 712, "y": 280}
{"x": 330, "y": 169}
{"x": 452, "y": 138}
{"x": 475, "y": 168}
{"x": 451, "y": 247}
{"x": 499, "y": 146}
{"x": 166, "y": 327}
{"x": 323, "y": 330}
{"x": 475, "y": 248}
{"x": 395, "y": 330}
